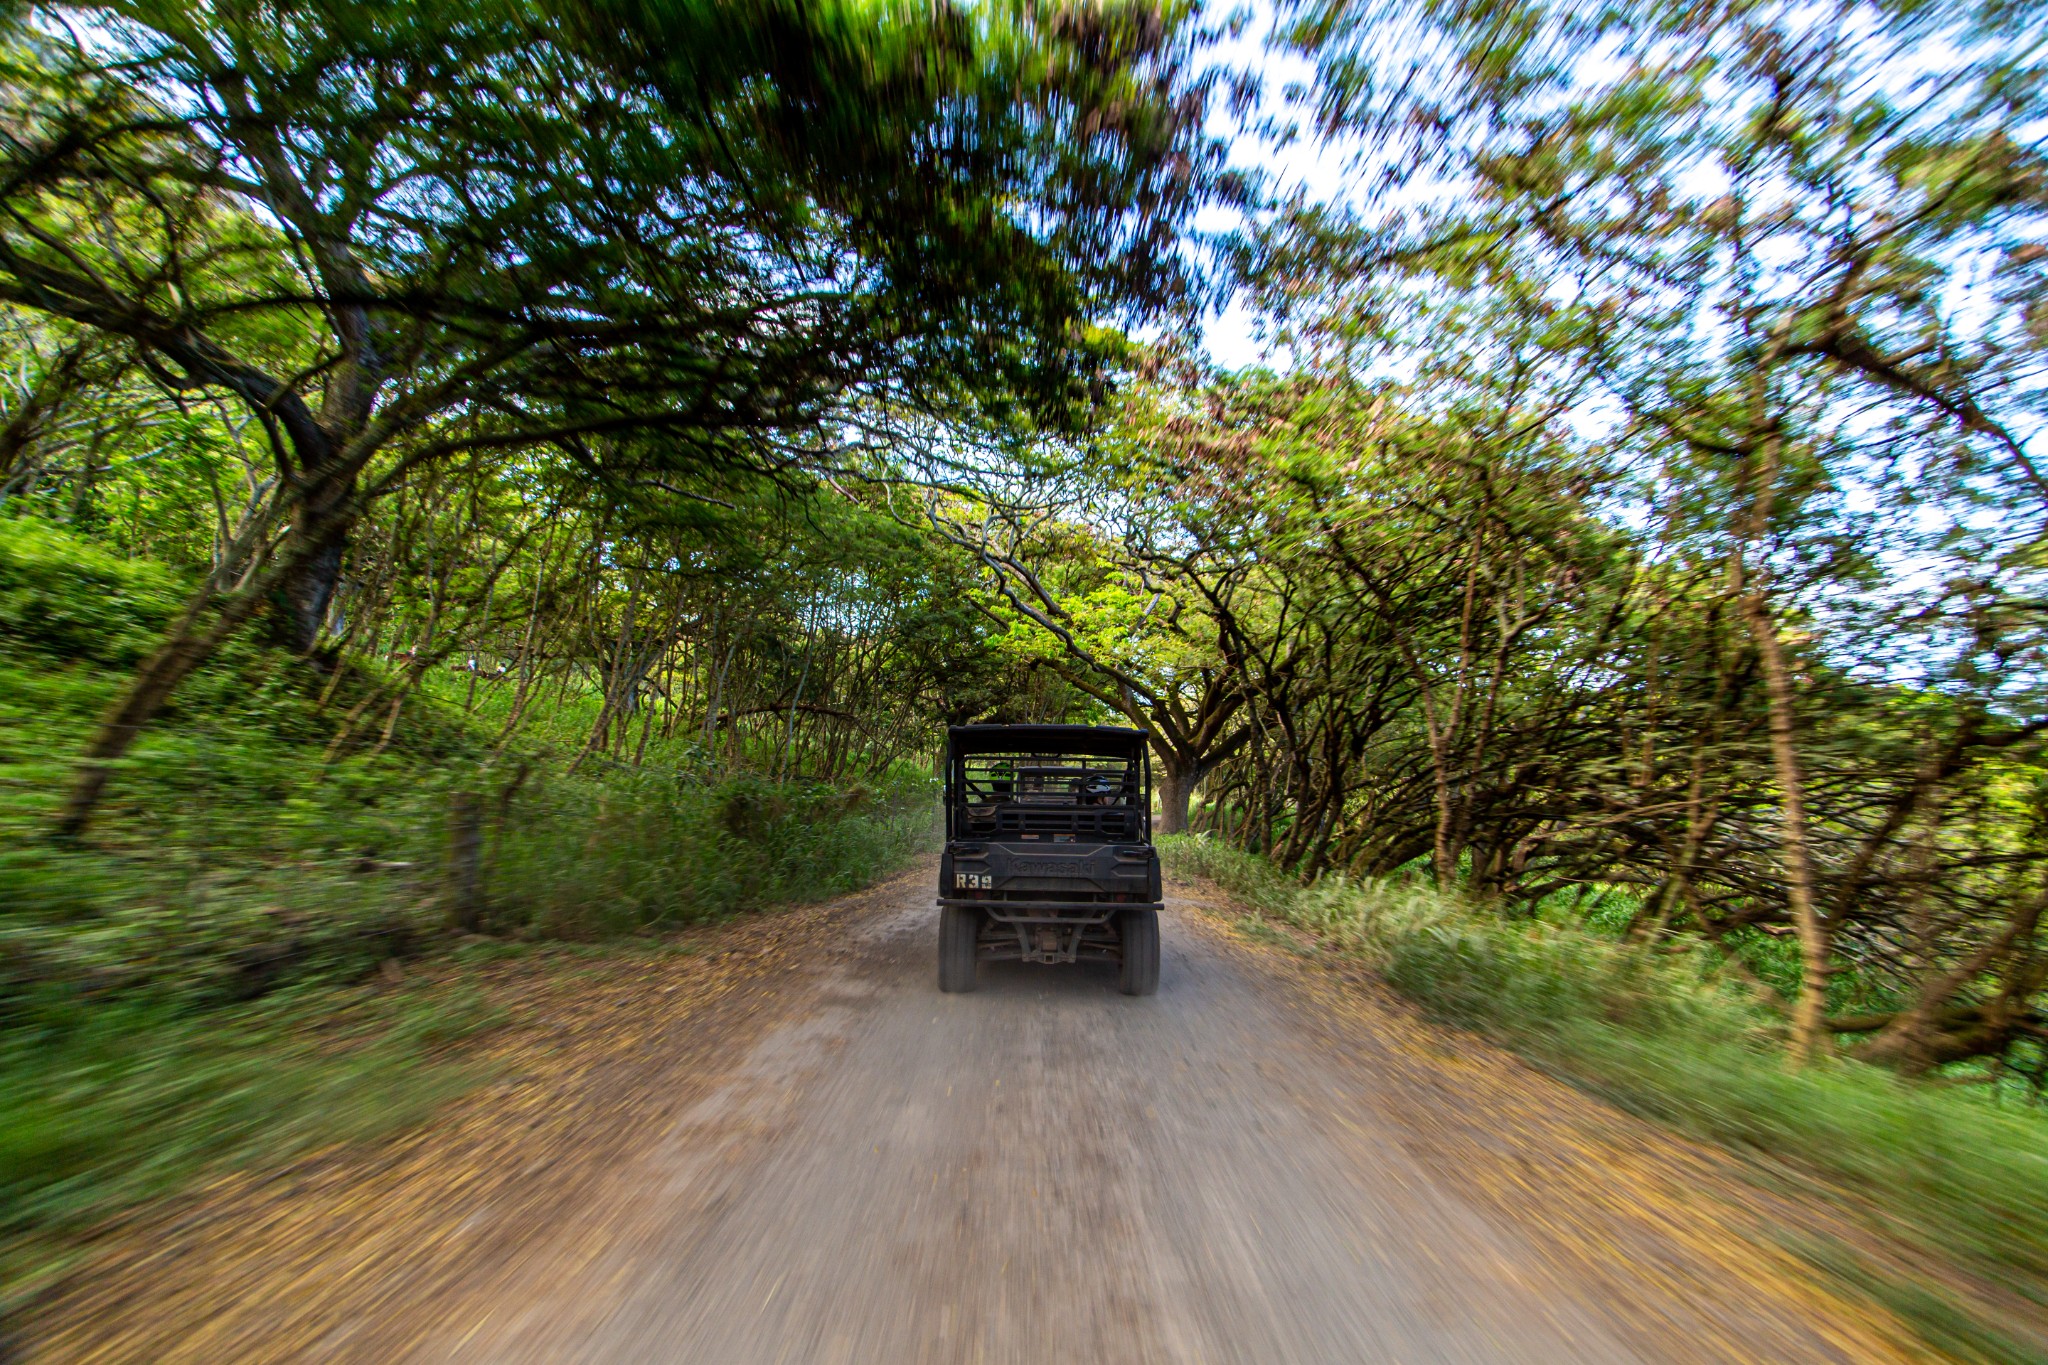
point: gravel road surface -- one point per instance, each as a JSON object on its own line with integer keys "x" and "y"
{"x": 778, "y": 1144}
{"x": 1047, "y": 1171}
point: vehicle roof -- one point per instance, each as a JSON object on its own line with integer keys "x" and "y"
{"x": 1109, "y": 741}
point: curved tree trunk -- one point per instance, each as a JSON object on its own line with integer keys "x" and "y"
{"x": 206, "y": 624}
{"x": 1809, "y": 1012}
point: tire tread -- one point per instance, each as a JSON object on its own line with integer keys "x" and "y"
{"x": 959, "y": 930}
{"x": 1139, "y": 930}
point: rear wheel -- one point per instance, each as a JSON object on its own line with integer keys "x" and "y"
{"x": 1139, "y": 930}
{"x": 959, "y": 928}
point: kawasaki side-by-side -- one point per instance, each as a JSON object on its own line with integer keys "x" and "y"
{"x": 1049, "y": 853}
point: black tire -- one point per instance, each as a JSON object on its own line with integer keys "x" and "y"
{"x": 1139, "y": 930}
{"x": 959, "y": 931}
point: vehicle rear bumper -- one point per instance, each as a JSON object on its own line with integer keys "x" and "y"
{"x": 1005, "y": 909}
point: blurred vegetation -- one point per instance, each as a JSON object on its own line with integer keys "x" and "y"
{"x": 431, "y": 514}
{"x": 116, "y": 1101}
{"x": 200, "y": 984}
{"x": 428, "y": 516}
{"x": 246, "y": 837}
{"x": 1673, "y": 1037}
{"x": 1645, "y": 497}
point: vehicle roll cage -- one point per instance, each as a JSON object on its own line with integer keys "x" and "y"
{"x": 1079, "y": 783}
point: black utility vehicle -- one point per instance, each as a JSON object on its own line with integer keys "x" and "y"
{"x": 1049, "y": 853}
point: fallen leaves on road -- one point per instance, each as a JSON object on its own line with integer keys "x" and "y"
{"x": 1665, "y": 1232}
{"x": 360, "y": 1253}
{"x": 355, "y": 1250}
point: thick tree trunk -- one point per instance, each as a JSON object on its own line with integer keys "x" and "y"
{"x": 1443, "y": 858}
{"x": 323, "y": 520}
{"x": 308, "y": 595}
{"x": 1175, "y": 785}
{"x": 465, "y": 874}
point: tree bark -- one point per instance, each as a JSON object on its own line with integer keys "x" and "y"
{"x": 465, "y": 862}
{"x": 324, "y": 516}
{"x": 1910, "y": 1042}
{"x": 190, "y": 643}
{"x": 1175, "y": 786}
{"x": 1809, "y": 1013}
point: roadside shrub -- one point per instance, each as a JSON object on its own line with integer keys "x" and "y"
{"x": 66, "y": 596}
{"x": 581, "y": 858}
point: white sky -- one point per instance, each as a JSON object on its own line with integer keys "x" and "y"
{"x": 1231, "y": 337}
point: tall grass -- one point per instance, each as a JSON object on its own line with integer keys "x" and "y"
{"x": 1663, "y": 1035}
{"x": 110, "y": 1102}
{"x": 640, "y": 850}
{"x": 245, "y": 847}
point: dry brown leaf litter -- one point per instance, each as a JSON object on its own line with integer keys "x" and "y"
{"x": 358, "y": 1253}
{"x": 1665, "y": 1233}
{"x": 354, "y": 1249}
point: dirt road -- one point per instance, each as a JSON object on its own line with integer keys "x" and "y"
{"x": 1263, "y": 1163}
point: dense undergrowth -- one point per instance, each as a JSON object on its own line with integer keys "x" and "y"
{"x": 186, "y": 986}
{"x": 1665, "y": 1035}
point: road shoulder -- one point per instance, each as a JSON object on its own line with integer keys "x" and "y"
{"x": 1684, "y": 1252}
{"x": 355, "y": 1250}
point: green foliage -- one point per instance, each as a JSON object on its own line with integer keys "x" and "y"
{"x": 1481, "y": 970}
{"x": 647, "y": 850}
{"x": 66, "y": 597}
{"x": 1663, "y": 1035}
{"x": 250, "y": 863}
{"x": 111, "y": 1103}
{"x": 508, "y": 349}
{"x": 183, "y": 992}
{"x": 1645, "y": 518}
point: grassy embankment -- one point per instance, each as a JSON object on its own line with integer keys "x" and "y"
{"x": 209, "y": 979}
{"x": 1664, "y": 1035}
